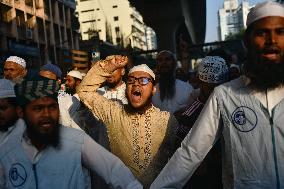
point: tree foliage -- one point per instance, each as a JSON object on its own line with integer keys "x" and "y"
{"x": 235, "y": 36}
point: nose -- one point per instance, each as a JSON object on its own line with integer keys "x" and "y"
{"x": 272, "y": 38}
{"x": 46, "y": 112}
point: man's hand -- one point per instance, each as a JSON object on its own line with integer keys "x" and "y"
{"x": 113, "y": 62}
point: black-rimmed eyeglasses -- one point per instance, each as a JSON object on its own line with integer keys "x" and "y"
{"x": 141, "y": 80}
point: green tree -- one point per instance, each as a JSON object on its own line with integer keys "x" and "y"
{"x": 235, "y": 36}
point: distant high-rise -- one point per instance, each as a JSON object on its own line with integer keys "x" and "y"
{"x": 232, "y": 17}
{"x": 116, "y": 22}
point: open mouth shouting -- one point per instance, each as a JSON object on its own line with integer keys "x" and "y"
{"x": 136, "y": 95}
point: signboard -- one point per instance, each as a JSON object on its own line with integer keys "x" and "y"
{"x": 22, "y": 49}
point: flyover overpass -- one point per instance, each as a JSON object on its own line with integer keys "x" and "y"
{"x": 170, "y": 18}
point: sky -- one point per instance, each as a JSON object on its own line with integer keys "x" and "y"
{"x": 212, "y": 18}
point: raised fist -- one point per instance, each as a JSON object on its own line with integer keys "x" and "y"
{"x": 113, "y": 62}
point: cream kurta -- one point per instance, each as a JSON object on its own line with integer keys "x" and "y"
{"x": 144, "y": 142}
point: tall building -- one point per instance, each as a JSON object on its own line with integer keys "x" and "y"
{"x": 116, "y": 22}
{"x": 232, "y": 17}
{"x": 37, "y": 30}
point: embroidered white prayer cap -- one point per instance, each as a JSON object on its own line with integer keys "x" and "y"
{"x": 6, "y": 88}
{"x": 142, "y": 68}
{"x": 213, "y": 69}
{"x": 76, "y": 74}
{"x": 265, "y": 9}
{"x": 17, "y": 60}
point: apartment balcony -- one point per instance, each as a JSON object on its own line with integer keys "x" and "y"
{"x": 7, "y": 2}
{"x": 19, "y": 4}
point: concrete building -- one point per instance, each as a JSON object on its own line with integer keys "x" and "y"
{"x": 117, "y": 22}
{"x": 37, "y": 30}
{"x": 232, "y": 17}
{"x": 151, "y": 39}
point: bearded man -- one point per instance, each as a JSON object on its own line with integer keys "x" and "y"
{"x": 140, "y": 134}
{"x": 114, "y": 87}
{"x": 15, "y": 69}
{"x": 8, "y": 109}
{"x": 172, "y": 94}
{"x": 246, "y": 113}
{"x": 43, "y": 154}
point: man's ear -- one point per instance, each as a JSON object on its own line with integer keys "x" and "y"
{"x": 123, "y": 71}
{"x": 25, "y": 71}
{"x": 20, "y": 112}
{"x": 154, "y": 90}
{"x": 78, "y": 82}
{"x": 245, "y": 41}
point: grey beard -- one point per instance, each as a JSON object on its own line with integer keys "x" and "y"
{"x": 18, "y": 80}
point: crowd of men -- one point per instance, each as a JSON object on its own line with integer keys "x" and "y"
{"x": 144, "y": 128}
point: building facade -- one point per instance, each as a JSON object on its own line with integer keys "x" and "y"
{"x": 232, "y": 18}
{"x": 37, "y": 30}
{"x": 116, "y": 22}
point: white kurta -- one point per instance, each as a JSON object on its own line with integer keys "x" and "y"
{"x": 252, "y": 131}
{"x": 180, "y": 99}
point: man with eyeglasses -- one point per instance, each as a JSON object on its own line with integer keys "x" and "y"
{"x": 140, "y": 134}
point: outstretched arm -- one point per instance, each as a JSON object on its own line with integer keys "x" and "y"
{"x": 194, "y": 148}
{"x": 108, "y": 166}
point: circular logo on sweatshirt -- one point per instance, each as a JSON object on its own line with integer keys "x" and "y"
{"x": 244, "y": 119}
{"x": 17, "y": 174}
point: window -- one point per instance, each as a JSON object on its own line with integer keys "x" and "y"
{"x": 114, "y": 6}
{"x": 90, "y": 10}
{"x": 118, "y": 40}
{"x": 116, "y": 29}
{"x": 115, "y": 18}
{"x": 98, "y": 9}
{"x": 99, "y": 20}
{"x": 87, "y": 21}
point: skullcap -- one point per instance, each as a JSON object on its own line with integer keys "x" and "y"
{"x": 142, "y": 68}
{"x": 213, "y": 69}
{"x": 6, "y": 88}
{"x": 52, "y": 68}
{"x": 76, "y": 74}
{"x": 235, "y": 66}
{"x": 17, "y": 60}
{"x": 30, "y": 90}
{"x": 264, "y": 9}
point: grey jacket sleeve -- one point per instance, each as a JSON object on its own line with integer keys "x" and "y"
{"x": 2, "y": 177}
{"x": 108, "y": 166}
{"x": 193, "y": 150}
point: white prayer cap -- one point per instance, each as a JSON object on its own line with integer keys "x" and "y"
{"x": 235, "y": 66}
{"x": 17, "y": 60}
{"x": 6, "y": 88}
{"x": 76, "y": 74}
{"x": 142, "y": 68}
{"x": 213, "y": 69}
{"x": 263, "y": 10}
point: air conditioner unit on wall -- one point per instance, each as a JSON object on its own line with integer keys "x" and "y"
{"x": 29, "y": 33}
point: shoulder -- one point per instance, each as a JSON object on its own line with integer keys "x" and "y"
{"x": 183, "y": 85}
{"x": 230, "y": 87}
{"x": 71, "y": 134}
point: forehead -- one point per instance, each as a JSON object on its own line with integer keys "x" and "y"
{"x": 44, "y": 101}
{"x": 164, "y": 55}
{"x": 139, "y": 74}
{"x": 4, "y": 101}
{"x": 70, "y": 77}
{"x": 48, "y": 74}
{"x": 11, "y": 64}
{"x": 271, "y": 22}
